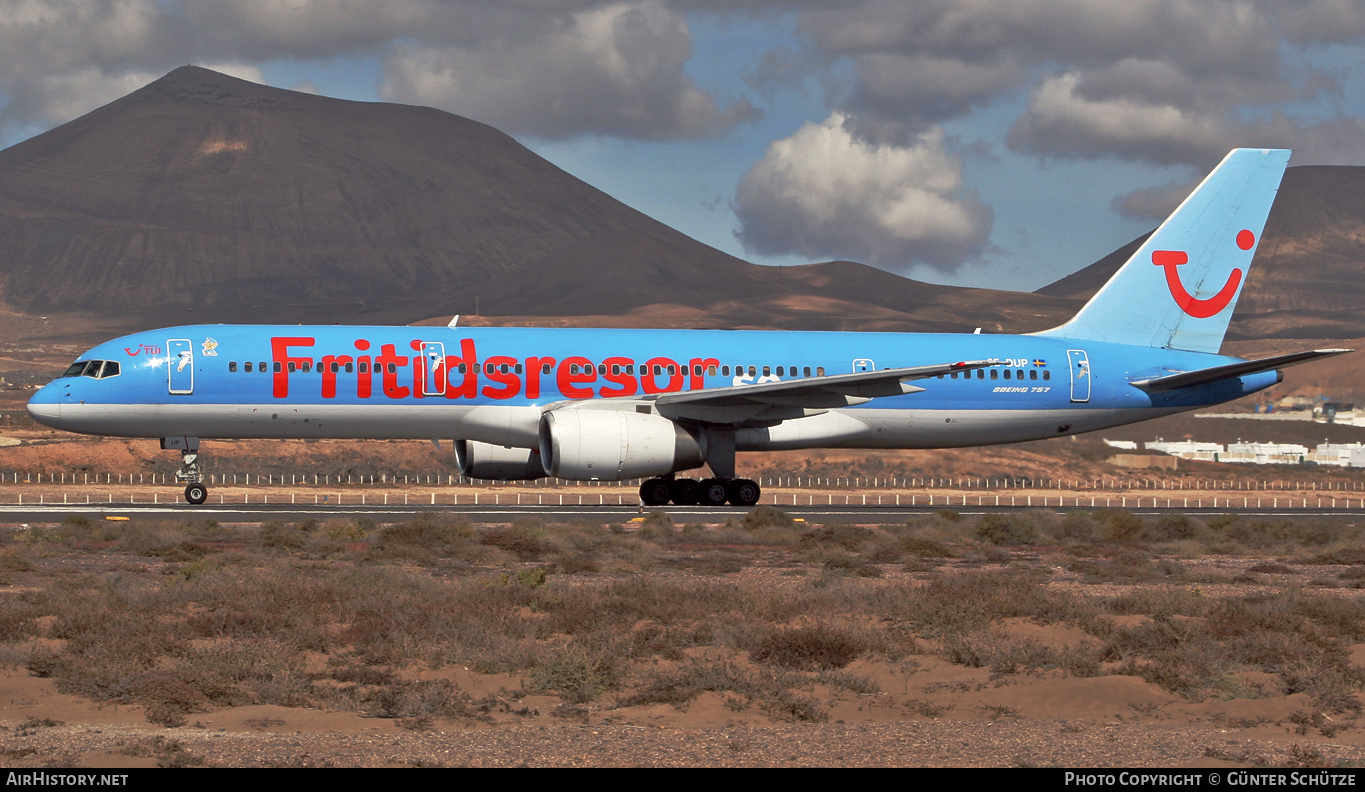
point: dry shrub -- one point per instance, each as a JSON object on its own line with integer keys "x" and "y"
{"x": 1012, "y": 529}
{"x": 764, "y": 516}
{"x": 526, "y": 542}
{"x": 771, "y": 691}
{"x": 921, "y": 547}
{"x": 816, "y": 648}
{"x": 574, "y": 675}
{"x": 1004, "y": 654}
{"x": 415, "y": 701}
{"x": 848, "y": 537}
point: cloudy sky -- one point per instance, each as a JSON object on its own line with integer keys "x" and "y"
{"x": 999, "y": 143}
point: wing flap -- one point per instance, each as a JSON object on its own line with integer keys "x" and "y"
{"x": 839, "y": 390}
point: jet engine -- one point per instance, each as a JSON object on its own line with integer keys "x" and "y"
{"x": 484, "y": 461}
{"x": 610, "y": 445}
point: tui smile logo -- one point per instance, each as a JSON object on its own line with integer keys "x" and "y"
{"x": 1170, "y": 260}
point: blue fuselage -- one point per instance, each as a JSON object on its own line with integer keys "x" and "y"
{"x": 222, "y": 381}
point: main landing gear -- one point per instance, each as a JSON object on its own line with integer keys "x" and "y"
{"x": 717, "y": 491}
{"x": 189, "y": 472}
{"x": 707, "y": 492}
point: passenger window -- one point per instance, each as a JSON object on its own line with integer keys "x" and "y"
{"x": 805, "y": 372}
{"x": 247, "y": 367}
{"x": 1047, "y": 375}
{"x": 995, "y": 374}
{"x": 517, "y": 368}
{"x": 753, "y": 372}
{"x": 277, "y": 367}
{"x": 232, "y": 366}
{"x": 349, "y": 366}
{"x": 1033, "y": 374}
{"x": 980, "y": 373}
{"x": 292, "y": 367}
{"x": 725, "y": 371}
{"x": 710, "y": 371}
{"x": 262, "y": 367}
{"x": 819, "y": 371}
{"x": 1007, "y": 373}
{"x": 307, "y": 365}
{"x": 393, "y": 368}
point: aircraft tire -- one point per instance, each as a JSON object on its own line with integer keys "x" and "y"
{"x": 196, "y": 494}
{"x": 686, "y": 492}
{"x": 655, "y": 492}
{"x": 713, "y": 492}
{"x": 744, "y": 492}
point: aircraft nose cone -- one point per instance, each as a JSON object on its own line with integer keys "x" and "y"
{"x": 45, "y": 407}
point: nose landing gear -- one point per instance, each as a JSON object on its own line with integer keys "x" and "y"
{"x": 189, "y": 472}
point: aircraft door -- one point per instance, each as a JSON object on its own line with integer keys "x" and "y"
{"x": 180, "y": 366}
{"x": 1080, "y": 375}
{"x": 435, "y": 374}
{"x": 863, "y": 364}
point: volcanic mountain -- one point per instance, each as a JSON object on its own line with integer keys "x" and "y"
{"x": 202, "y": 197}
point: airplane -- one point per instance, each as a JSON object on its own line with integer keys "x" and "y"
{"x": 613, "y": 405}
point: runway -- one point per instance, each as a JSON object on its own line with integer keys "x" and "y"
{"x": 14, "y": 515}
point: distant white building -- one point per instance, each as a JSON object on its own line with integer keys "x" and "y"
{"x": 1127, "y": 445}
{"x": 1186, "y": 449}
{"x": 1266, "y": 453}
{"x": 1341, "y": 454}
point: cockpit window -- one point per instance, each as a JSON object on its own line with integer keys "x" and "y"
{"x": 95, "y": 369}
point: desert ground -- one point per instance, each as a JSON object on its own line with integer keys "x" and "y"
{"x": 1027, "y": 639}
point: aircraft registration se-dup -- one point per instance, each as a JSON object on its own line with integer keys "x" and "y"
{"x": 586, "y": 404}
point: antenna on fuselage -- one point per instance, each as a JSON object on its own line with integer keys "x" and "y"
{"x": 454, "y": 320}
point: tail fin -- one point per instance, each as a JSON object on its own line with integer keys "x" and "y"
{"x": 1179, "y": 289}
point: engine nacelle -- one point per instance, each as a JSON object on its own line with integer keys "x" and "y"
{"x": 611, "y": 445}
{"x": 483, "y": 461}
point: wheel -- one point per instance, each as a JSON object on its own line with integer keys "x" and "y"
{"x": 713, "y": 492}
{"x": 686, "y": 492}
{"x": 655, "y": 492}
{"x": 744, "y": 492}
{"x": 196, "y": 494}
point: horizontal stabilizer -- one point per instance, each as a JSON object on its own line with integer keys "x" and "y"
{"x": 1187, "y": 379}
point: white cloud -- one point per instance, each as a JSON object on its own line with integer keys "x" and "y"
{"x": 824, "y": 193}
{"x": 72, "y": 94}
{"x": 566, "y": 67}
{"x": 1060, "y": 121}
{"x": 616, "y": 69}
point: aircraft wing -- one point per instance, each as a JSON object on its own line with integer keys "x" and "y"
{"x": 818, "y": 393}
{"x": 1186, "y": 379}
